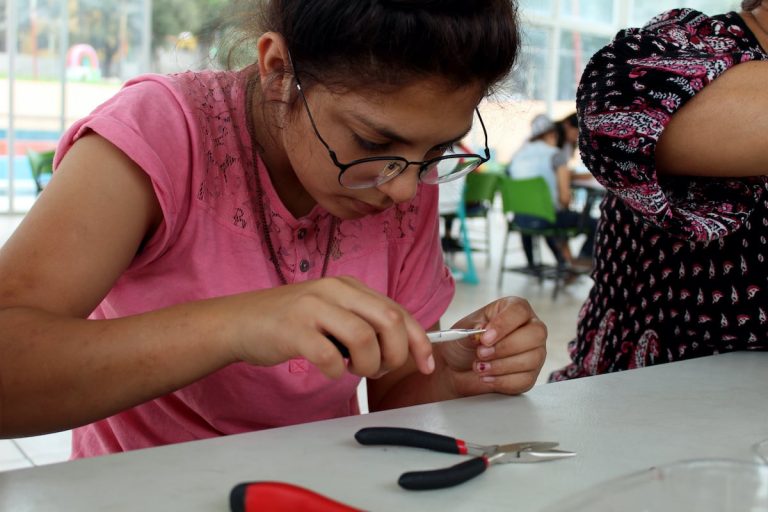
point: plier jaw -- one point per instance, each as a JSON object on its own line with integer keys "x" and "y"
{"x": 484, "y": 456}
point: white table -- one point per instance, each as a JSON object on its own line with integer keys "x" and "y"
{"x": 711, "y": 407}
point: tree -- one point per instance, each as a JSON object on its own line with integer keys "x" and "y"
{"x": 115, "y": 27}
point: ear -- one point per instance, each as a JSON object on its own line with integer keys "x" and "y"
{"x": 275, "y": 70}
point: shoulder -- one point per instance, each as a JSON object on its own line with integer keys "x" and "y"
{"x": 683, "y": 30}
{"x": 635, "y": 84}
{"x": 191, "y": 90}
{"x": 689, "y": 26}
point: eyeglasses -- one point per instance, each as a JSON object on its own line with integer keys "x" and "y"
{"x": 377, "y": 170}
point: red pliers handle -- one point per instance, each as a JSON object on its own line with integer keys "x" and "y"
{"x": 281, "y": 497}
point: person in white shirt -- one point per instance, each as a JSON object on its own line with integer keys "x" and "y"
{"x": 541, "y": 156}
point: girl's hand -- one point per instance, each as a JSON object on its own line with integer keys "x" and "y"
{"x": 272, "y": 326}
{"x": 507, "y": 358}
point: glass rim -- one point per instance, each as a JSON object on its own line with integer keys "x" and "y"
{"x": 376, "y": 180}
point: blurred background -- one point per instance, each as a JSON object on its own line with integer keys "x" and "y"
{"x": 61, "y": 58}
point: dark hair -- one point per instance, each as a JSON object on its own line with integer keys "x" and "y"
{"x": 570, "y": 119}
{"x": 393, "y": 42}
{"x": 749, "y": 5}
{"x": 560, "y": 128}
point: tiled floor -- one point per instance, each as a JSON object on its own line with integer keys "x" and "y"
{"x": 559, "y": 315}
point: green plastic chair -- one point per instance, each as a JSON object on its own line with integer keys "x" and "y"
{"x": 531, "y": 196}
{"x": 479, "y": 192}
{"x": 41, "y": 163}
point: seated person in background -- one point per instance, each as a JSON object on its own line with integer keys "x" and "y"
{"x": 448, "y": 207}
{"x": 567, "y": 140}
{"x": 540, "y": 156}
{"x": 567, "y": 130}
{"x": 670, "y": 123}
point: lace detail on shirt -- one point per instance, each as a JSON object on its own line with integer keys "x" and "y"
{"x": 227, "y": 186}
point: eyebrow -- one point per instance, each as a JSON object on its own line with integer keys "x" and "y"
{"x": 391, "y": 135}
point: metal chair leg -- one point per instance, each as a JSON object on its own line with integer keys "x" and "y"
{"x": 502, "y": 263}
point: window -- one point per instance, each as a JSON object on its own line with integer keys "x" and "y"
{"x": 531, "y": 74}
{"x": 576, "y": 49}
{"x": 542, "y": 7}
{"x": 596, "y": 11}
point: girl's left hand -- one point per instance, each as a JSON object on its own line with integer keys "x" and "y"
{"x": 507, "y": 358}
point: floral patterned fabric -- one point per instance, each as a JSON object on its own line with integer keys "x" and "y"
{"x": 679, "y": 261}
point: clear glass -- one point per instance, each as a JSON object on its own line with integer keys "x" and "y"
{"x": 760, "y": 449}
{"x": 35, "y": 42}
{"x": 5, "y": 84}
{"x": 113, "y": 36}
{"x": 449, "y": 170}
{"x": 545, "y": 7}
{"x": 642, "y": 11}
{"x": 69, "y": 58}
{"x": 596, "y": 11}
{"x": 576, "y": 49}
{"x": 716, "y": 485}
{"x": 529, "y": 78}
{"x": 377, "y": 172}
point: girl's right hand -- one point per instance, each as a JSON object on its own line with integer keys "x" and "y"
{"x": 275, "y": 325}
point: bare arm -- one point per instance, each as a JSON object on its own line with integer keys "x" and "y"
{"x": 388, "y": 392}
{"x": 721, "y": 131}
{"x": 57, "y": 369}
{"x": 564, "y": 193}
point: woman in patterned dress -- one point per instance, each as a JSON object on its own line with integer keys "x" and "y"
{"x": 671, "y": 121}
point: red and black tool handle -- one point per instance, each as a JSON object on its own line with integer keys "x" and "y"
{"x": 410, "y": 437}
{"x": 441, "y": 478}
{"x": 281, "y": 497}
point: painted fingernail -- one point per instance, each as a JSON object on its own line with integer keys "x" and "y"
{"x": 488, "y": 378}
{"x": 486, "y": 351}
{"x": 488, "y": 336}
{"x": 431, "y": 363}
{"x": 483, "y": 367}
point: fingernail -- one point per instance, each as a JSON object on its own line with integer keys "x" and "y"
{"x": 488, "y": 336}
{"x": 486, "y": 351}
{"x": 431, "y": 363}
{"x": 488, "y": 378}
{"x": 483, "y": 367}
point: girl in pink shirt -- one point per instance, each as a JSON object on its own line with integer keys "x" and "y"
{"x": 205, "y": 234}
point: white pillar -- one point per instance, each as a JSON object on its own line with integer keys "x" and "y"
{"x": 11, "y": 43}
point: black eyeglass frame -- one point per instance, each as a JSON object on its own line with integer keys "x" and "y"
{"x": 423, "y": 165}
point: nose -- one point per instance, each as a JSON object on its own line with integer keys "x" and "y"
{"x": 403, "y": 187}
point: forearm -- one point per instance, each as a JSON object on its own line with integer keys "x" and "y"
{"x": 409, "y": 387}
{"x": 720, "y": 132}
{"x": 564, "y": 186}
{"x": 59, "y": 372}
{"x": 414, "y": 389}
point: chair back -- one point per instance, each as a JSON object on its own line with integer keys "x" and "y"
{"x": 41, "y": 163}
{"x": 480, "y": 187}
{"x": 528, "y": 196}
